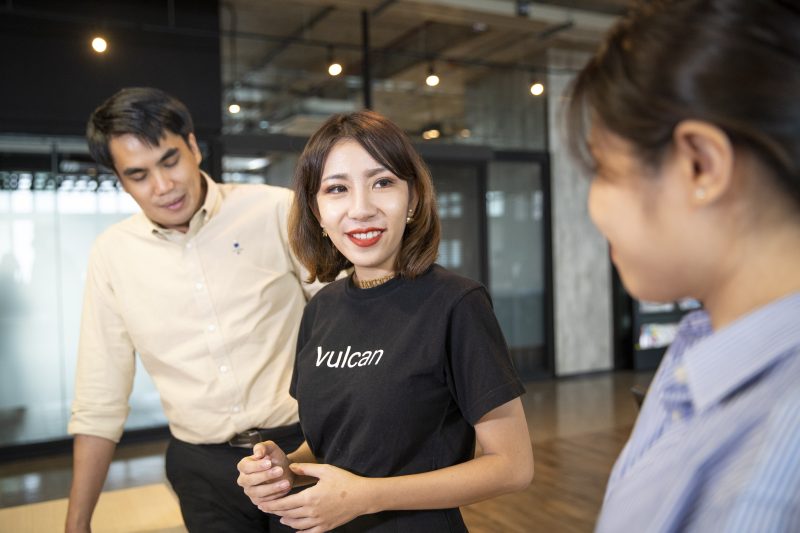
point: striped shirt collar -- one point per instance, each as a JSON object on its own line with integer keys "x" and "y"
{"x": 718, "y": 365}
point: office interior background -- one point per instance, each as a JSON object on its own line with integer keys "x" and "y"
{"x": 259, "y": 78}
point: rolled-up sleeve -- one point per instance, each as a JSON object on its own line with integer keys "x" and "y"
{"x": 106, "y": 359}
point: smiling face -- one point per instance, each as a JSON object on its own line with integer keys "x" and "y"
{"x": 363, "y": 208}
{"x": 164, "y": 180}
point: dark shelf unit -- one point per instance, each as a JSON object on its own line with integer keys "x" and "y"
{"x": 665, "y": 322}
{"x": 630, "y": 320}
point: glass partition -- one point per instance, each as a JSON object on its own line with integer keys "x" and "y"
{"x": 515, "y": 214}
{"x": 458, "y": 202}
{"x": 51, "y": 210}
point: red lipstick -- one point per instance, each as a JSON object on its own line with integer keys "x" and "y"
{"x": 370, "y": 236}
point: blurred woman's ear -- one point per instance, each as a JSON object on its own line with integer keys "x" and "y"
{"x": 706, "y": 158}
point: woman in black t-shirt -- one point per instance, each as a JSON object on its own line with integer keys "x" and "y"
{"x": 400, "y": 367}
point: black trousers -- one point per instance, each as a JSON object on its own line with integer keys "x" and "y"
{"x": 204, "y": 478}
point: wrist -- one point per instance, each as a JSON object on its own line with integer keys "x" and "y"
{"x": 372, "y": 495}
{"x": 76, "y": 526}
{"x": 77, "y": 520}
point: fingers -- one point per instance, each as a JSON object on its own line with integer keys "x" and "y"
{"x": 309, "y": 469}
{"x": 304, "y": 523}
{"x": 265, "y": 455}
{"x": 248, "y": 465}
{"x": 294, "y": 514}
{"x": 284, "y": 504}
{"x": 259, "y": 450}
{"x": 251, "y": 466}
{"x": 260, "y": 495}
{"x": 249, "y": 477}
{"x": 262, "y": 449}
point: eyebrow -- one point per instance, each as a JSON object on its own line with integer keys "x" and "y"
{"x": 135, "y": 170}
{"x": 342, "y": 175}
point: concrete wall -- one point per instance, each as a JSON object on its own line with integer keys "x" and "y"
{"x": 581, "y": 267}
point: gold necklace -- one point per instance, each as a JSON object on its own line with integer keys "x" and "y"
{"x": 371, "y": 283}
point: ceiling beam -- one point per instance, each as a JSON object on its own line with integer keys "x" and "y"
{"x": 294, "y": 35}
{"x": 503, "y": 9}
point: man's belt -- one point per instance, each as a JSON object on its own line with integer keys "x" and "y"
{"x": 250, "y": 437}
{"x": 246, "y": 439}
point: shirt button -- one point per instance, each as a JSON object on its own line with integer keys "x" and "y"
{"x": 236, "y": 409}
{"x": 676, "y": 415}
{"x": 223, "y": 369}
{"x": 199, "y": 286}
{"x": 680, "y": 375}
{"x": 211, "y": 327}
{"x": 188, "y": 245}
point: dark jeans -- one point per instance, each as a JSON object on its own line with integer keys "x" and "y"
{"x": 204, "y": 478}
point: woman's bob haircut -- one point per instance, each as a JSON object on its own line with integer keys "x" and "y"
{"x": 389, "y": 146}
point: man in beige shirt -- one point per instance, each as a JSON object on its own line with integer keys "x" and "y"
{"x": 202, "y": 285}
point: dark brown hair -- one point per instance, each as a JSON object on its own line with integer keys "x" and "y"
{"x": 732, "y": 63}
{"x": 389, "y": 146}
{"x": 145, "y": 112}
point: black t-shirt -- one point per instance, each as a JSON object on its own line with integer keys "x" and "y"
{"x": 391, "y": 380}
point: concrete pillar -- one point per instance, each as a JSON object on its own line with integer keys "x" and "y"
{"x": 581, "y": 267}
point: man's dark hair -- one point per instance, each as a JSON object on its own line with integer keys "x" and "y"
{"x": 145, "y": 112}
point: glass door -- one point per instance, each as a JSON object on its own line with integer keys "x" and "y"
{"x": 495, "y": 229}
{"x": 458, "y": 194}
{"x": 518, "y": 247}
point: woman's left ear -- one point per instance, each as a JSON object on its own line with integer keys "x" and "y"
{"x": 708, "y": 159}
{"x": 412, "y": 207}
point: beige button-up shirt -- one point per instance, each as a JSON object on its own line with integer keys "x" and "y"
{"x": 213, "y": 314}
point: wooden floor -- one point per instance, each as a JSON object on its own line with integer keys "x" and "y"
{"x": 566, "y": 492}
{"x": 578, "y": 427}
{"x": 151, "y": 509}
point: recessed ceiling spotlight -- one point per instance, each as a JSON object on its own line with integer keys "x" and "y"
{"x": 99, "y": 45}
{"x": 334, "y": 69}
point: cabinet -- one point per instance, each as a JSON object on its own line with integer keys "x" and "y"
{"x": 654, "y": 328}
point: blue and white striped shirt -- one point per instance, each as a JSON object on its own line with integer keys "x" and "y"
{"x": 716, "y": 446}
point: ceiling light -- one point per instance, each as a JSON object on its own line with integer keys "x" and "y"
{"x": 537, "y": 89}
{"x": 432, "y": 80}
{"x": 334, "y": 67}
{"x": 99, "y": 45}
{"x": 431, "y": 134}
{"x": 234, "y": 108}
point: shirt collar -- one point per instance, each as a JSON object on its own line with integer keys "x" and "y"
{"x": 210, "y": 207}
{"x": 719, "y": 364}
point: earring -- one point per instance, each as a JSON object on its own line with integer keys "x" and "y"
{"x": 700, "y": 193}
{"x": 410, "y": 217}
{"x": 324, "y": 233}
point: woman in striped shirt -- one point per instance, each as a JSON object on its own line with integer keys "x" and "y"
{"x": 690, "y": 118}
